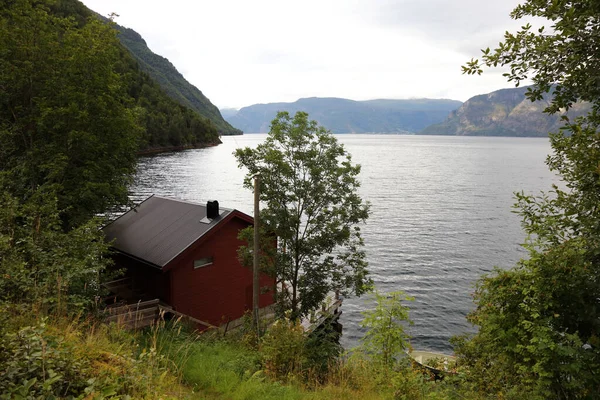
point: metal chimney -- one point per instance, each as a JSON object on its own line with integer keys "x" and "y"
{"x": 212, "y": 209}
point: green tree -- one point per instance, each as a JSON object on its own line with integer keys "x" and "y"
{"x": 562, "y": 60}
{"x": 310, "y": 189}
{"x": 539, "y": 323}
{"x": 67, "y": 123}
{"x": 43, "y": 266}
{"x": 68, "y": 136}
{"x": 385, "y": 337}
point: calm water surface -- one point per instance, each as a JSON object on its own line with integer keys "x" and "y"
{"x": 441, "y": 213}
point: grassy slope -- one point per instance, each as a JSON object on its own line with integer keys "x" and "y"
{"x": 229, "y": 371}
{"x": 173, "y": 362}
{"x": 46, "y": 356}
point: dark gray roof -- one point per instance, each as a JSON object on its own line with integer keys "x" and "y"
{"x": 160, "y": 228}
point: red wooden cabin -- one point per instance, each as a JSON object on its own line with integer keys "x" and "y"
{"x": 185, "y": 254}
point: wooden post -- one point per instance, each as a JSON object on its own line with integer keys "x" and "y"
{"x": 255, "y": 283}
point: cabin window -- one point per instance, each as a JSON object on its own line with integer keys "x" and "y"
{"x": 203, "y": 262}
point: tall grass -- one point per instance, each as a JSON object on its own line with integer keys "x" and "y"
{"x": 44, "y": 356}
{"x": 55, "y": 356}
{"x": 226, "y": 368}
{"x": 232, "y": 371}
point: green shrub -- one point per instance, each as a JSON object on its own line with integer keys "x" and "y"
{"x": 282, "y": 349}
{"x": 322, "y": 351}
{"x": 37, "y": 363}
{"x": 42, "y": 265}
{"x": 385, "y": 338}
{"x": 61, "y": 358}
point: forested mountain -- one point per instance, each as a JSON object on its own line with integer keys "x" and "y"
{"x": 505, "y": 112}
{"x": 171, "y": 81}
{"x": 75, "y": 108}
{"x": 349, "y": 116}
{"x": 166, "y": 122}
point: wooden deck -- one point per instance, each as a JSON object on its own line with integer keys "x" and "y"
{"x": 145, "y": 313}
{"x": 131, "y": 314}
{"x": 265, "y": 314}
{"x": 330, "y": 311}
{"x": 134, "y": 316}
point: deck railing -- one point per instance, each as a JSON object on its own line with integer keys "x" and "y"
{"x": 134, "y": 316}
{"x": 146, "y": 313}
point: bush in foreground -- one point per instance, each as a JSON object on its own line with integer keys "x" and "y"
{"x": 55, "y": 357}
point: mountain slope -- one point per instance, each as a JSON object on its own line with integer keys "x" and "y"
{"x": 344, "y": 116}
{"x": 505, "y": 112}
{"x": 165, "y": 123}
{"x": 172, "y": 82}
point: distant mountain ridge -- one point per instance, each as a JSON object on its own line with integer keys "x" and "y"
{"x": 349, "y": 116}
{"x": 228, "y": 112}
{"x": 505, "y": 112}
{"x": 171, "y": 81}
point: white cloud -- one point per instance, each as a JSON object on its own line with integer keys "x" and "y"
{"x": 244, "y": 52}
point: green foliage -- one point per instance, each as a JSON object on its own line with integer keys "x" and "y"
{"x": 539, "y": 323}
{"x": 50, "y": 359}
{"x": 385, "y": 338}
{"x": 167, "y": 124}
{"x": 290, "y": 353}
{"x": 283, "y": 349}
{"x": 559, "y": 59}
{"x": 37, "y": 364}
{"x": 323, "y": 351}
{"x": 309, "y": 186}
{"x": 75, "y": 109}
{"x": 43, "y": 265}
{"x": 413, "y": 384}
{"x": 232, "y": 371}
{"x": 67, "y": 125}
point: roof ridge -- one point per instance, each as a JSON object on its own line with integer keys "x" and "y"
{"x": 179, "y": 200}
{"x": 191, "y": 202}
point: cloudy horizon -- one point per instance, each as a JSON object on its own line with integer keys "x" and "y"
{"x": 240, "y": 53}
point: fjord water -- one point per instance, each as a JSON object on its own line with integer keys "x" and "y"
{"x": 441, "y": 213}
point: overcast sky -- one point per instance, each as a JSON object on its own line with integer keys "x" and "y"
{"x": 242, "y": 52}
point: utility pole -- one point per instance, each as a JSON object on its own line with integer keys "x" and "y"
{"x": 255, "y": 283}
